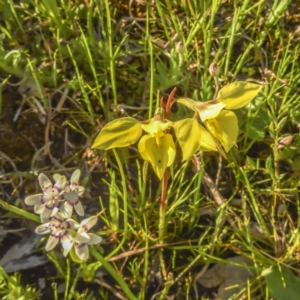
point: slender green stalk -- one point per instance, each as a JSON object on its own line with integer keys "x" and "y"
{"x": 11, "y": 6}
{"x": 152, "y": 67}
{"x": 55, "y": 292}
{"x": 111, "y": 53}
{"x": 146, "y": 259}
{"x": 217, "y": 86}
{"x": 231, "y": 39}
{"x": 82, "y": 85}
{"x": 113, "y": 273}
{"x": 125, "y": 199}
{"x": 74, "y": 283}
{"x": 67, "y": 279}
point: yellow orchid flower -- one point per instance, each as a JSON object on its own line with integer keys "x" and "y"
{"x": 157, "y": 147}
{"x": 193, "y": 137}
{"x": 216, "y": 114}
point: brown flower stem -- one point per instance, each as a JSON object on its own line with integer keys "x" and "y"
{"x": 161, "y": 226}
{"x": 162, "y": 211}
{"x": 163, "y": 199}
{"x": 163, "y": 195}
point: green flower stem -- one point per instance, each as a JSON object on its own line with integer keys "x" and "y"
{"x": 67, "y": 278}
{"x": 125, "y": 199}
{"x": 111, "y": 52}
{"x": 113, "y": 273}
{"x": 217, "y": 86}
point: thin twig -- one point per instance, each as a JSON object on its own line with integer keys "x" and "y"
{"x": 111, "y": 289}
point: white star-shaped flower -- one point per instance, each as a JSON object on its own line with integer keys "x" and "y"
{"x": 52, "y": 198}
{"x": 82, "y": 239}
{"x": 73, "y": 194}
{"x": 59, "y": 230}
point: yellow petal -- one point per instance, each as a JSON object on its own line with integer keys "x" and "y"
{"x": 209, "y": 110}
{"x": 159, "y": 151}
{"x": 206, "y": 110}
{"x": 189, "y": 134}
{"x": 118, "y": 133}
{"x": 189, "y": 103}
{"x": 238, "y": 94}
{"x": 224, "y": 128}
{"x": 156, "y": 127}
{"x": 207, "y": 142}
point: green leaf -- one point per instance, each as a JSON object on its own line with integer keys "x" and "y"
{"x": 256, "y": 126}
{"x": 278, "y": 9}
{"x": 118, "y": 133}
{"x": 189, "y": 135}
{"x": 256, "y": 132}
{"x": 238, "y": 94}
{"x": 283, "y": 284}
{"x": 88, "y": 272}
{"x": 20, "y": 212}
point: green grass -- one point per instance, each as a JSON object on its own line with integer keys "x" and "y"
{"x": 85, "y": 63}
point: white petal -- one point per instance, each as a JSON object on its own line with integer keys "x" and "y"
{"x": 87, "y": 224}
{"x": 68, "y": 208}
{"x": 33, "y": 199}
{"x": 80, "y": 190}
{"x": 67, "y": 187}
{"x": 210, "y": 111}
{"x": 94, "y": 239}
{"x": 67, "y": 242}
{"x": 58, "y": 216}
{"x": 61, "y": 183}
{"x": 38, "y": 208}
{"x": 71, "y": 196}
{"x": 82, "y": 251}
{"x": 45, "y": 214}
{"x": 79, "y": 208}
{"x": 82, "y": 238}
{"x": 52, "y": 242}
{"x": 42, "y": 229}
{"x": 56, "y": 177}
{"x": 71, "y": 224}
{"x": 62, "y": 210}
{"x": 66, "y": 251}
{"x": 44, "y": 181}
{"x": 75, "y": 177}
{"x": 55, "y": 210}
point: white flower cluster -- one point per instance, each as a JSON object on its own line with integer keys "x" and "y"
{"x": 55, "y": 207}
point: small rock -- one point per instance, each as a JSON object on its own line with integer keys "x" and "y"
{"x": 226, "y": 275}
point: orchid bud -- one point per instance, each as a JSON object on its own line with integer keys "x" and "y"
{"x": 214, "y": 70}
